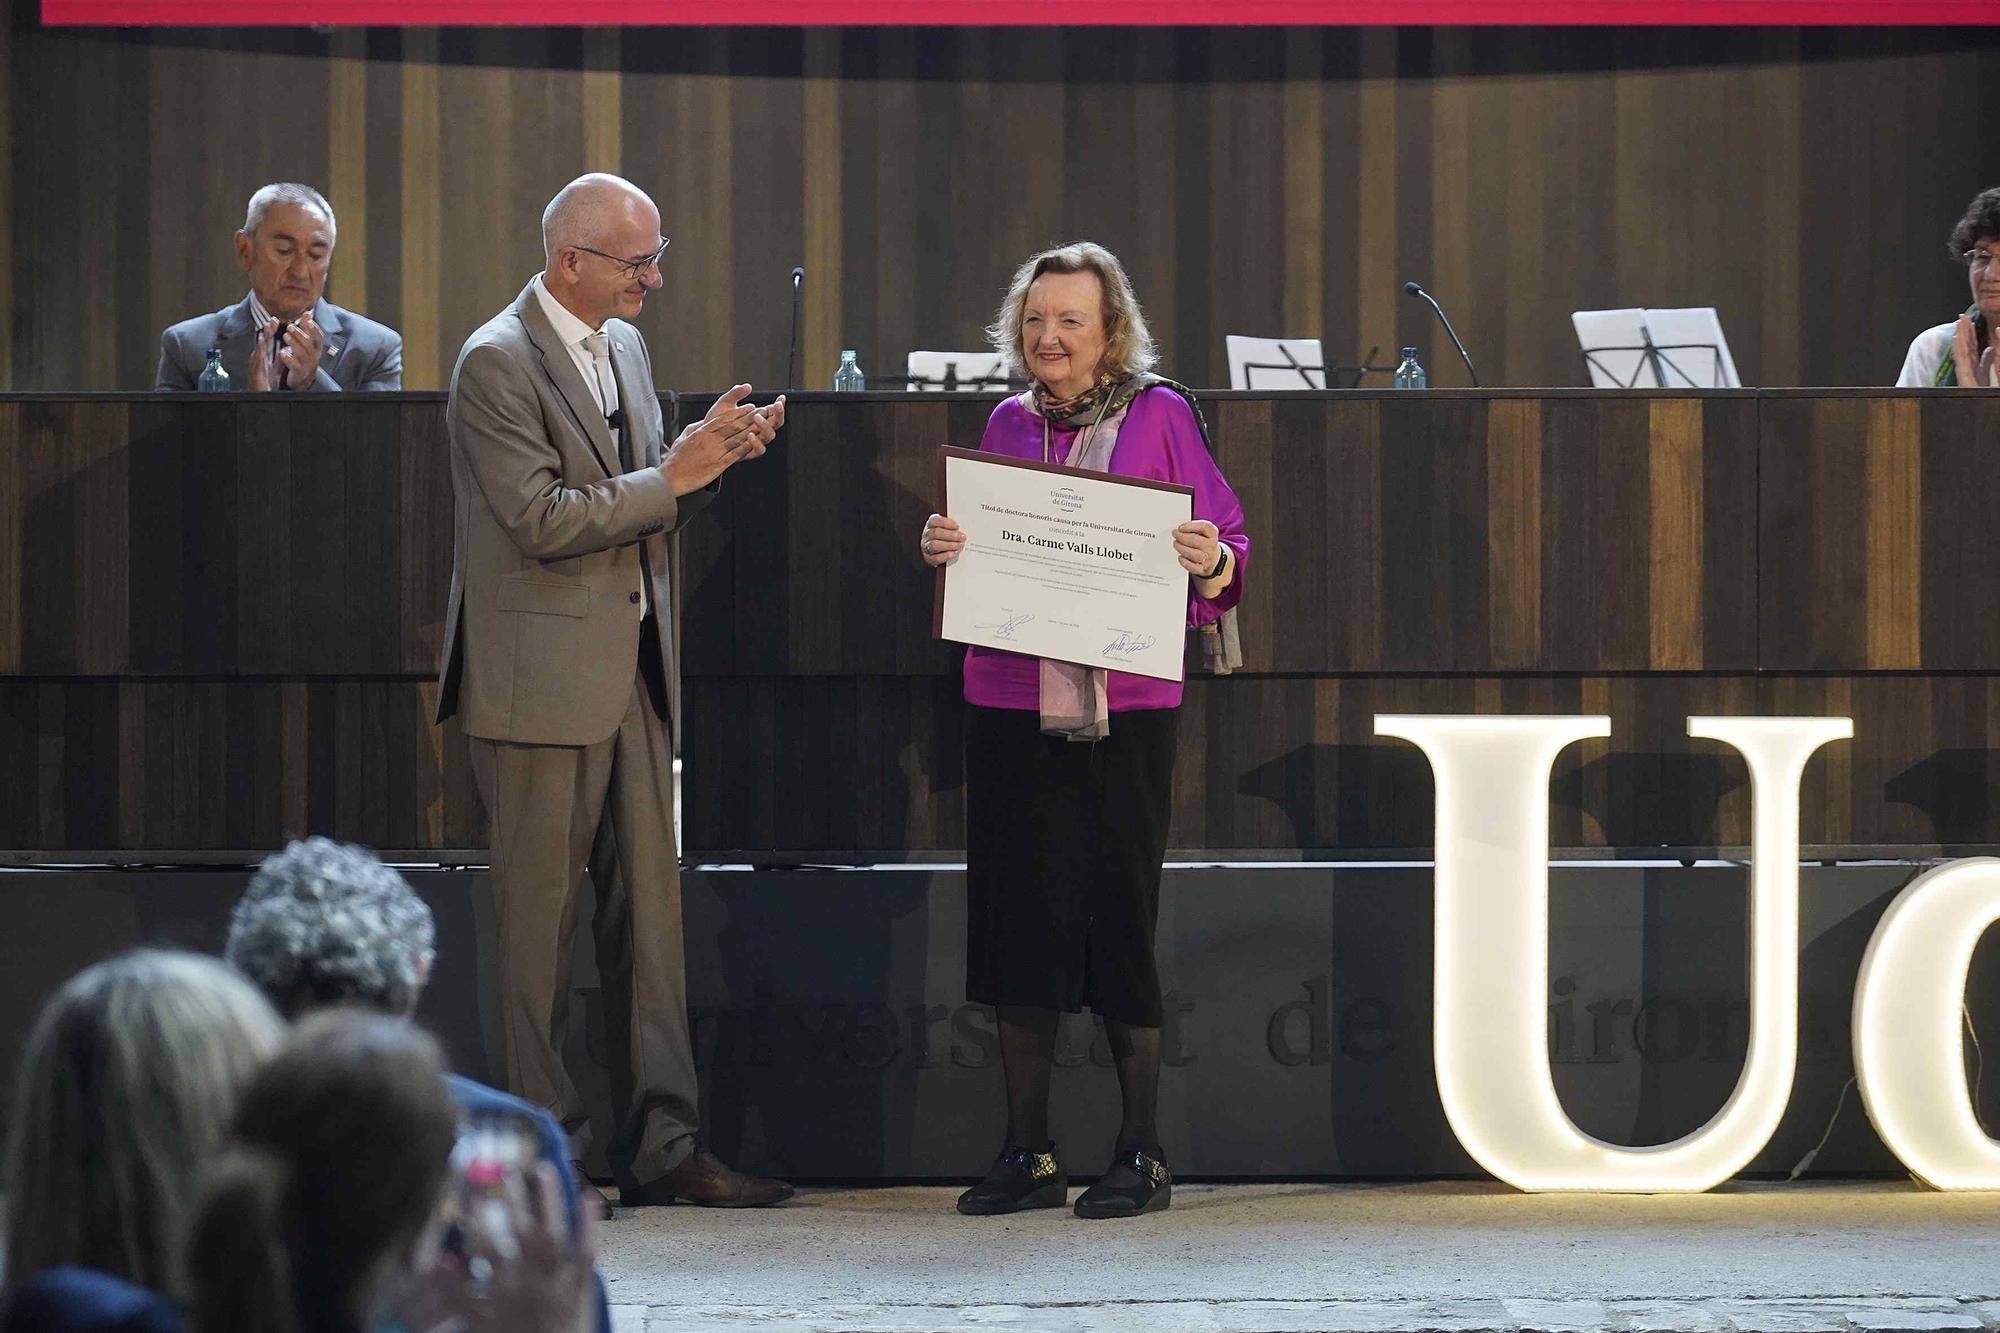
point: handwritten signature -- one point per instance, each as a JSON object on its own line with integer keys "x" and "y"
{"x": 1005, "y": 629}
{"x": 1129, "y": 643}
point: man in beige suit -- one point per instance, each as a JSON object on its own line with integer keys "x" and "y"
{"x": 559, "y": 663}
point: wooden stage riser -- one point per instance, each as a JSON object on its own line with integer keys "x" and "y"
{"x": 875, "y": 764}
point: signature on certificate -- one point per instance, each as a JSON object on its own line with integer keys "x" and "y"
{"x": 1005, "y": 629}
{"x": 1129, "y": 643}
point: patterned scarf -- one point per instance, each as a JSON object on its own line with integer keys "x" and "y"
{"x": 1075, "y": 700}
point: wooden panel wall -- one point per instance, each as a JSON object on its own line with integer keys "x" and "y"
{"x": 1389, "y": 534}
{"x": 157, "y": 536}
{"x": 219, "y": 619}
{"x": 1257, "y": 181}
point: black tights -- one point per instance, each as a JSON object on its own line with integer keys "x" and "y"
{"x": 1028, "y": 1056}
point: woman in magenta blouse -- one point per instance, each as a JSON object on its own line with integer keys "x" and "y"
{"x": 1069, "y": 770}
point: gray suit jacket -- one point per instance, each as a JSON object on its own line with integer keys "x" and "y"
{"x": 358, "y": 353}
{"x": 551, "y": 538}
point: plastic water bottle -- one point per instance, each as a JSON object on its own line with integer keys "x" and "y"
{"x": 848, "y": 379}
{"x": 1410, "y": 375}
{"x": 214, "y": 379}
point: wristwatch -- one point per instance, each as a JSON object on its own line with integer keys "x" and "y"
{"x": 1221, "y": 562}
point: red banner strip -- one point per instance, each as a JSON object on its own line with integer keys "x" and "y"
{"x": 1010, "y": 13}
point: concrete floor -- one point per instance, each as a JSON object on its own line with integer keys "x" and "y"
{"x": 1463, "y": 1256}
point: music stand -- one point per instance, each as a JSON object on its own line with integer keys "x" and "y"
{"x": 1695, "y": 334}
{"x": 1290, "y": 363}
{"x": 950, "y": 372}
{"x": 1635, "y": 348}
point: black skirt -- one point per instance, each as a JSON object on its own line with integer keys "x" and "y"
{"x": 1063, "y": 848}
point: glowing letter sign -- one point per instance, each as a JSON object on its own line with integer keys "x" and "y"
{"x": 1492, "y": 913}
{"x": 1908, "y": 1051}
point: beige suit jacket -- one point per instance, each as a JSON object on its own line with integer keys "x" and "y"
{"x": 550, "y": 539}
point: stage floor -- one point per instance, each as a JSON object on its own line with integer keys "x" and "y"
{"x": 1468, "y": 1256}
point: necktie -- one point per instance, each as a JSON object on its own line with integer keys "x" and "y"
{"x": 599, "y": 347}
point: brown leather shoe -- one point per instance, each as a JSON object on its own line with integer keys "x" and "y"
{"x": 592, "y": 1199}
{"x": 709, "y": 1181}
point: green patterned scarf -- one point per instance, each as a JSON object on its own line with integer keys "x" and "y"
{"x": 1947, "y": 371}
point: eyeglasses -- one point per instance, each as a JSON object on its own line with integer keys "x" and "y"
{"x": 631, "y": 268}
{"x": 1978, "y": 258}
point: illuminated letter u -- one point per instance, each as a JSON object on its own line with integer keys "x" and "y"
{"x": 1492, "y": 928}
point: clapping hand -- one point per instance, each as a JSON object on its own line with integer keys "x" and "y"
{"x": 730, "y": 432}
{"x": 298, "y": 356}
{"x": 1975, "y": 367}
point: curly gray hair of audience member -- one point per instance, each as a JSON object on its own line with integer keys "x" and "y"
{"x": 326, "y": 923}
{"x": 287, "y": 192}
{"x": 128, "y": 1079}
{"x": 334, "y": 1162}
{"x": 1128, "y": 343}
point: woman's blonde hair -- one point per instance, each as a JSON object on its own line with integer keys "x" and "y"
{"x": 1128, "y": 344}
{"x": 126, "y": 1083}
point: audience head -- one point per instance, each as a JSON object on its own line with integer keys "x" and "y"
{"x": 127, "y": 1081}
{"x": 1978, "y": 233}
{"x": 601, "y": 248}
{"x": 326, "y": 923}
{"x": 335, "y": 1160}
{"x": 1070, "y": 320}
{"x": 286, "y": 246}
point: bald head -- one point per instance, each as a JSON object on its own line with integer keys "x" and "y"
{"x": 591, "y": 209}
{"x": 600, "y": 237}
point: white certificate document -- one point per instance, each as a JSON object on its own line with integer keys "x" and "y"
{"x": 1078, "y": 566}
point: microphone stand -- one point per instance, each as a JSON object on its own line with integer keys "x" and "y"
{"x": 1415, "y": 290}
{"x": 792, "y": 356}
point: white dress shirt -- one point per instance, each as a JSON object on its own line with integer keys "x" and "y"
{"x": 604, "y": 392}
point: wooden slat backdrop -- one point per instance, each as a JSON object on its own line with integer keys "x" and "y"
{"x": 872, "y": 766}
{"x": 1256, "y": 181}
{"x": 219, "y": 619}
{"x": 1474, "y": 533}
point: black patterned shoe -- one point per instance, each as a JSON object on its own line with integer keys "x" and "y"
{"x": 1134, "y": 1183}
{"x": 1019, "y": 1180}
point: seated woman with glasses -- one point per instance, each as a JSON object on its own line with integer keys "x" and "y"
{"x": 1960, "y": 353}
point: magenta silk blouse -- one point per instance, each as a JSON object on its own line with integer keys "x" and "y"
{"x": 1160, "y": 441}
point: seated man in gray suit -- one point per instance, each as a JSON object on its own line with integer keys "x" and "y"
{"x": 283, "y": 335}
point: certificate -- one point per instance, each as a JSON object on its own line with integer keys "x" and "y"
{"x": 1078, "y": 566}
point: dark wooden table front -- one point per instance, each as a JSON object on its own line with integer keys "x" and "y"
{"x": 219, "y": 619}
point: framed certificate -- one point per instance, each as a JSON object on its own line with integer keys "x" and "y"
{"x": 1078, "y": 566}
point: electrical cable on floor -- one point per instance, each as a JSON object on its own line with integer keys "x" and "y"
{"x": 1807, "y": 1160}
{"x": 1978, "y": 1063}
{"x": 1978, "y": 1080}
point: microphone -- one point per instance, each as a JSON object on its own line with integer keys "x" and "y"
{"x": 792, "y": 357}
{"x": 616, "y": 419}
{"x": 1414, "y": 290}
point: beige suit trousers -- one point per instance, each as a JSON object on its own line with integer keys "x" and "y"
{"x": 558, "y": 810}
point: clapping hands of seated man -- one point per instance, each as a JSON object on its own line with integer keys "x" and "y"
{"x": 732, "y": 431}
{"x": 498, "y": 1256}
{"x": 297, "y": 358}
